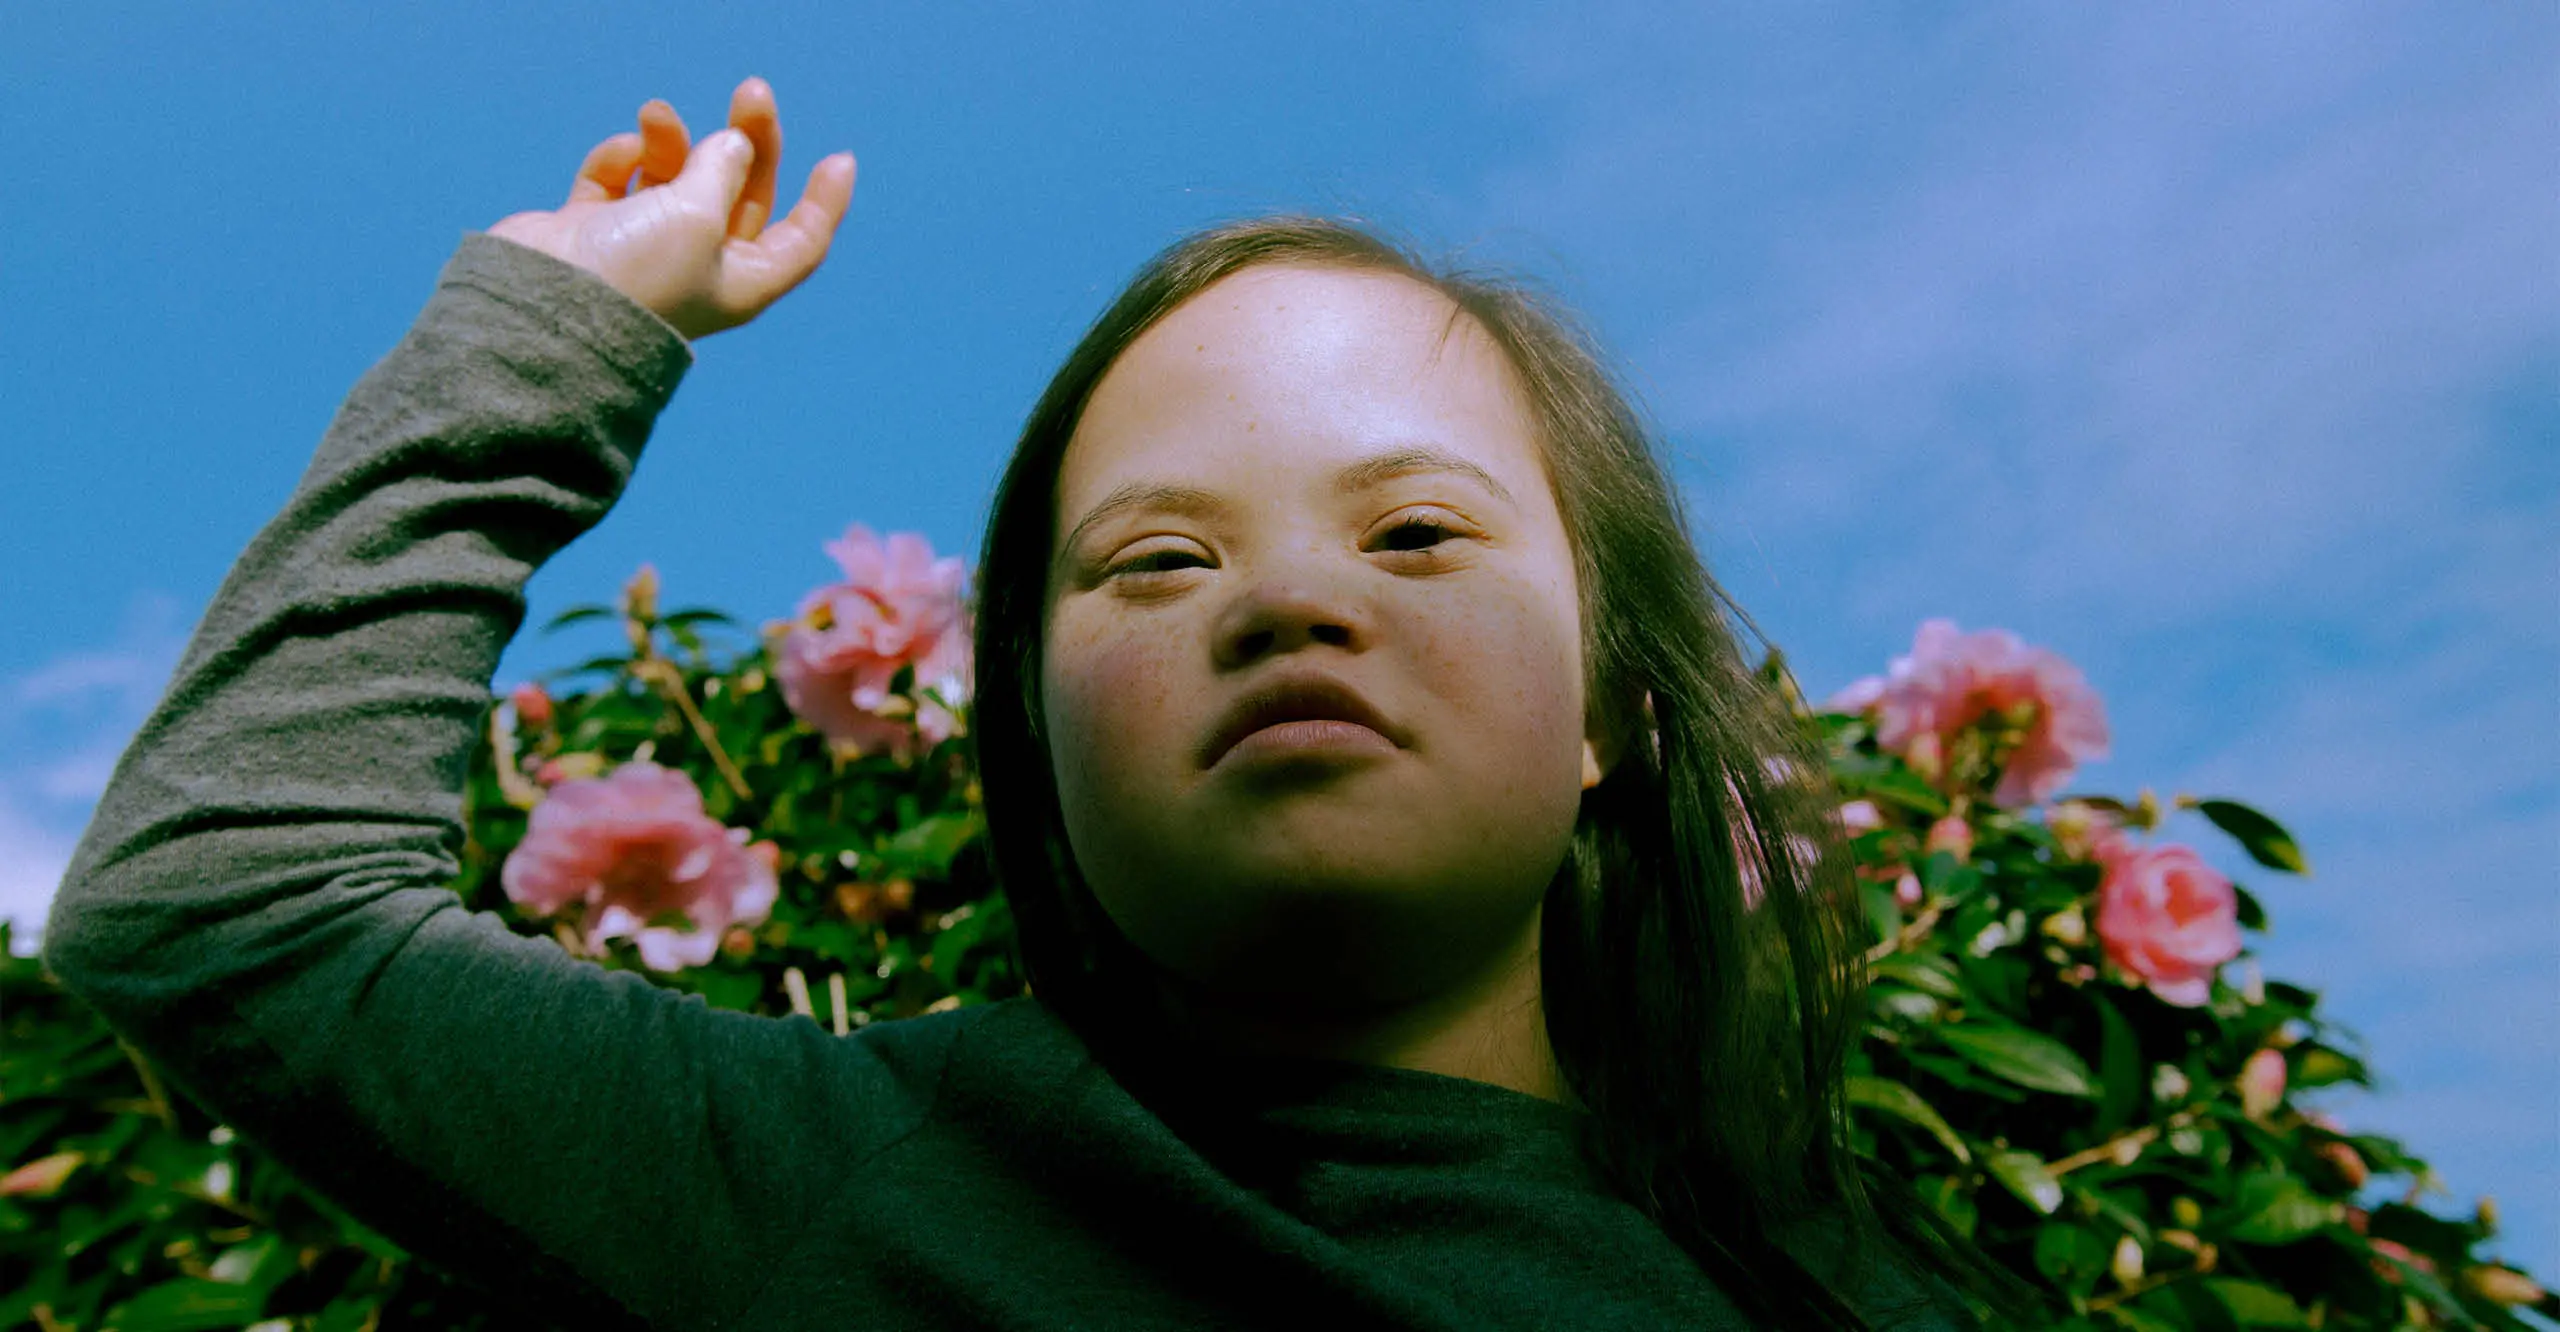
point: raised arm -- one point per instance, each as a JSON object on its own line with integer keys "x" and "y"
{"x": 260, "y": 901}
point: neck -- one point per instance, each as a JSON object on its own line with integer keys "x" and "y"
{"x": 1489, "y": 1026}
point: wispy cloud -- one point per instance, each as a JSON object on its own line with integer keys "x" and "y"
{"x": 62, "y": 727}
{"x": 32, "y": 858}
{"x": 2211, "y": 346}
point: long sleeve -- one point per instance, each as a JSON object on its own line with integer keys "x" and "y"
{"x": 260, "y": 900}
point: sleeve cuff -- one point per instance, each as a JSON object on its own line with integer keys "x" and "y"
{"x": 561, "y": 295}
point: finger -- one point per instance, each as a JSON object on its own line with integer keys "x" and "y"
{"x": 607, "y": 169}
{"x": 763, "y": 271}
{"x": 716, "y": 172}
{"x": 752, "y": 109}
{"x": 666, "y": 142}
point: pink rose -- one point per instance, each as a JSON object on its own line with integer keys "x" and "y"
{"x": 633, "y": 847}
{"x": 1953, "y": 680}
{"x": 2167, "y": 917}
{"x": 1860, "y": 816}
{"x": 897, "y": 606}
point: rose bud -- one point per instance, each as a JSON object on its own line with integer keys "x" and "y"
{"x": 1952, "y": 835}
{"x": 2126, "y": 1265}
{"x": 532, "y": 704}
{"x": 2262, "y": 1083}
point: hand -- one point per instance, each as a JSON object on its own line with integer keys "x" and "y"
{"x": 689, "y": 241}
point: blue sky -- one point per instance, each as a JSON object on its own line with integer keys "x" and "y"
{"x": 2217, "y": 348}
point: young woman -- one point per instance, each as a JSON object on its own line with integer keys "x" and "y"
{"x": 1425, "y": 929}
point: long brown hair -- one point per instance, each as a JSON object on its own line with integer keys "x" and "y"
{"x": 1702, "y": 1024}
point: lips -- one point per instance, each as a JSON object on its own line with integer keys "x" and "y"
{"x": 1293, "y": 698}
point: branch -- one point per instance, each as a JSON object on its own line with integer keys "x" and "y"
{"x": 151, "y": 1086}
{"x": 2143, "y": 1286}
{"x": 669, "y": 681}
{"x": 2124, "y": 1147}
{"x": 1909, "y": 934}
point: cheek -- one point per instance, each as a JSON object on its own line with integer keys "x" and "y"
{"x": 1513, "y": 657}
{"x": 1104, "y": 697}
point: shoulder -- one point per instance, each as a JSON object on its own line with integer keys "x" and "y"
{"x": 1007, "y": 1032}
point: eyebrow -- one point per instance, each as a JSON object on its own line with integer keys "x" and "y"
{"x": 1362, "y": 475}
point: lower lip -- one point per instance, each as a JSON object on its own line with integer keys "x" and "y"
{"x": 1304, "y": 739}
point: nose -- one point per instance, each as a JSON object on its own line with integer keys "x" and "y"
{"x": 1285, "y": 613}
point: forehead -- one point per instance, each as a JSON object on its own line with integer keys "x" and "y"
{"x": 1287, "y": 369}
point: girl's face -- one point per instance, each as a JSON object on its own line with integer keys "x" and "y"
{"x": 1347, "y": 487}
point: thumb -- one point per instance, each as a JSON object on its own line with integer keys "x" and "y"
{"x": 716, "y": 172}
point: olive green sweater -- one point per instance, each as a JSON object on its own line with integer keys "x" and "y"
{"x": 260, "y": 904}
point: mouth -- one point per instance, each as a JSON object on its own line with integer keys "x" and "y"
{"x": 1302, "y": 698}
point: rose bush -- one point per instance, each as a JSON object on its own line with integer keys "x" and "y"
{"x": 2071, "y": 1052}
{"x": 2068, "y": 1052}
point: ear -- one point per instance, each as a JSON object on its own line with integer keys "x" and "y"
{"x": 1600, "y": 750}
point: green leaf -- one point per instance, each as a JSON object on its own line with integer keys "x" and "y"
{"x": 1884, "y": 914}
{"x": 1900, "y": 1101}
{"x": 951, "y": 947}
{"x": 733, "y": 990}
{"x": 2072, "y": 1256}
{"x": 1950, "y": 1199}
{"x": 1929, "y": 975}
{"x": 2256, "y": 1305}
{"x": 2251, "y": 914}
{"x": 2263, "y": 838}
{"x": 2320, "y": 1066}
{"x": 2027, "y": 1058}
{"x": 614, "y": 663}
{"x": 1957, "y": 1073}
{"x": 2025, "y": 1175}
{"x": 696, "y": 615}
{"x": 929, "y": 844}
{"x": 2135, "y": 1320}
{"x": 189, "y": 1305}
{"x": 574, "y": 615}
{"x": 2119, "y": 1066}
{"x": 2276, "y": 1209}
{"x": 260, "y": 1264}
{"x": 1888, "y": 779}
{"x": 2449, "y": 1242}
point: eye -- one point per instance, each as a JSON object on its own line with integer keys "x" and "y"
{"x": 1148, "y": 563}
{"x": 1415, "y": 526}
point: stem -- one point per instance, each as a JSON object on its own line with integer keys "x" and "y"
{"x": 664, "y": 676}
{"x": 2142, "y": 1287}
{"x": 151, "y": 1086}
{"x": 1909, "y": 934}
{"x": 2135, "y": 1139}
{"x": 511, "y": 780}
